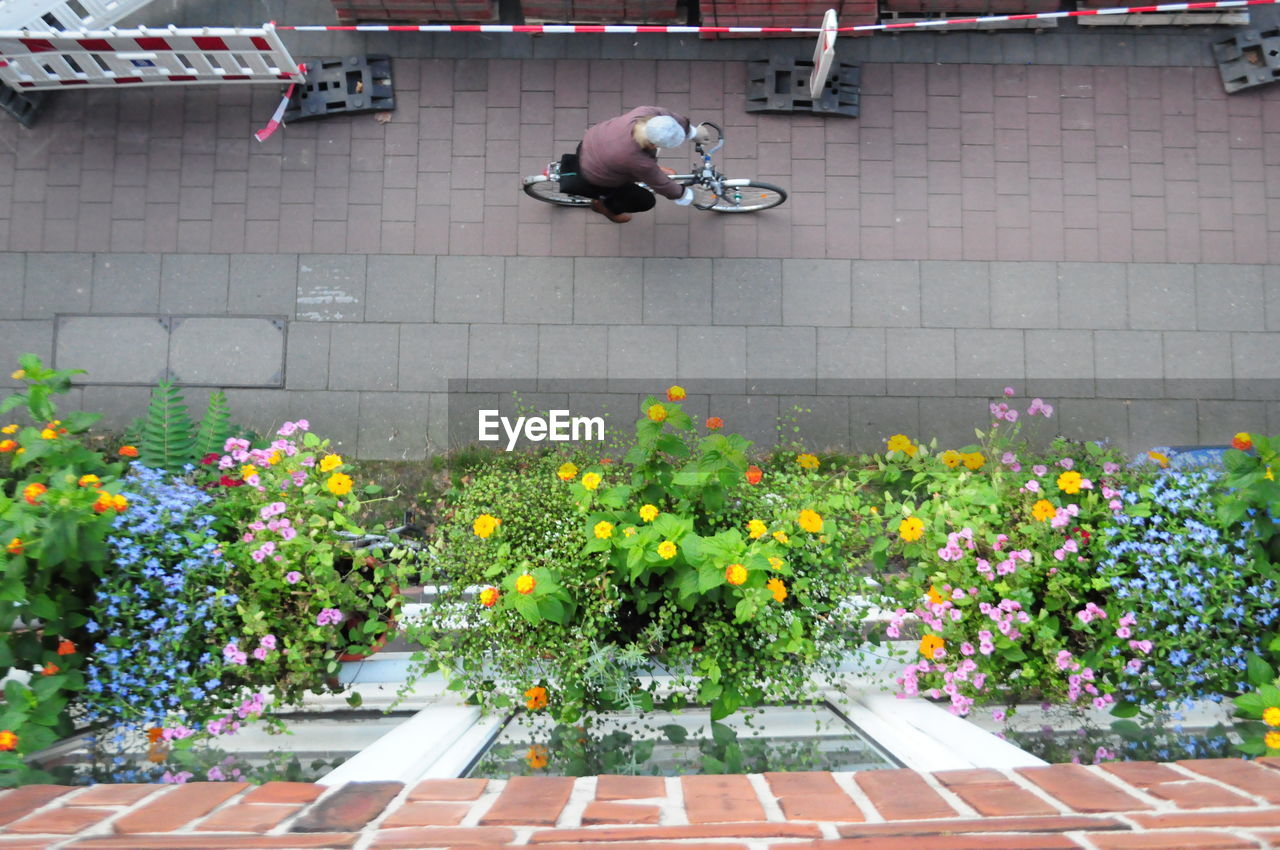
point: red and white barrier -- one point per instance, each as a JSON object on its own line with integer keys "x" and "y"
{"x": 43, "y": 60}
{"x": 65, "y": 14}
{"x": 623, "y": 29}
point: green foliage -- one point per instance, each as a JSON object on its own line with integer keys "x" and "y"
{"x": 167, "y": 437}
{"x": 215, "y": 427}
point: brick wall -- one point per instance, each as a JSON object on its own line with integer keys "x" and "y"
{"x": 1215, "y": 803}
{"x": 603, "y": 11}
{"x": 417, "y": 11}
{"x": 785, "y": 13}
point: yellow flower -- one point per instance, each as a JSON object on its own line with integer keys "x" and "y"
{"x": 934, "y": 596}
{"x": 1272, "y": 740}
{"x": 8, "y": 740}
{"x": 807, "y": 461}
{"x": 489, "y": 597}
{"x": 604, "y": 530}
{"x": 911, "y": 529}
{"x": 757, "y": 529}
{"x": 1043, "y": 510}
{"x": 629, "y": 531}
{"x": 648, "y": 512}
{"x": 735, "y": 574}
{"x": 119, "y": 503}
{"x": 778, "y": 589}
{"x": 591, "y": 480}
{"x": 330, "y": 462}
{"x": 485, "y": 525}
{"x": 675, "y": 393}
{"x": 339, "y": 484}
{"x": 666, "y": 550}
{"x": 775, "y": 562}
{"x": 974, "y": 460}
{"x": 536, "y": 698}
{"x": 1159, "y": 458}
{"x": 275, "y": 458}
{"x": 247, "y": 470}
{"x": 7, "y": 446}
{"x": 810, "y": 521}
{"x": 48, "y": 434}
{"x": 1271, "y": 716}
{"x": 929, "y": 644}
{"x": 9, "y": 429}
{"x": 15, "y": 546}
{"x": 89, "y": 481}
{"x": 567, "y": 472}
{"x": 525, "y": 584}
{"x": 1069, "y": 482}
{"x": 537, "y": 757}
{"x": 781, "y": 537}
{"x": 951, "y": 458}
{"x": 657, "y": 412}
{"x": 1270, "y": 476}
{"x": 902, "y": 443}
{"x": 18, "y": 375}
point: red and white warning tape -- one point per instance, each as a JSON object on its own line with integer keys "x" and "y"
{"x": 277, "y": 117}
{"x": 626, "y": 29}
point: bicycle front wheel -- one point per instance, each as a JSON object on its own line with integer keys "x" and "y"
{"x": 548, "y": 190}
{"x": 748, "y": 196}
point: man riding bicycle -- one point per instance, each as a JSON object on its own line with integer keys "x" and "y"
{"x": 617, "y": 154}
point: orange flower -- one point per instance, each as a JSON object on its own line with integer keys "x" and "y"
{"x": 7, "y": 446}
{"x": 128, "y": 451}
{"x": 489, "y": 597}
{"x": 714, "y": 423}
{"x": 154, "y": 734}
{"x": 525, "y": 584}
{"x": 32, "y": 493}
{"x": 89, "y": 481}
{"x": 536, "y": 698}
{"x": 810, "y": 521}
{"x": 934, "y": 596}
{"x": 15, "y": 546}
{"x": 675, "y": 394}
{"x": 735, "y": 574}
{"x": 50, "y": 670}
{"x": 930, "y": 644}
{"x": 657, "y": 412}
{"x": 537, "y": 757}
{"x": 8, "y": 741}
{"x": 754, "y": 474}
{"x": 66, "y": 647}
{"x": 777, "y": 588}
{"x": 103, "y": 503}
{"x": 1159, "y": 458}
{"x": 119, "y": 503}
{"x": 1242, "y": 441}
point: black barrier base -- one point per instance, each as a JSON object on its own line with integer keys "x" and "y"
{"x": 349, "y": 85}
{"x": 23, "y": 107}
{"x": 1248, "y": 59}
{"x": 781, "y": 84}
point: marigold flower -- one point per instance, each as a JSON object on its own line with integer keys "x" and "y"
{"x": 537, "y": 757}
{"x": 603, "y": 530}
{"x": 911, "y": 529}
{"x": 567, "y": 472}
{"x": 1043, "y": 510}
{"x": 485, "y": 525}
{"x": 754, "y": 474}
{"x": 1159, "y": 458}
{"x": 525, "y": 584}
{"x": 656, "y": 412}
{"x": 1242, "y": 441}
{"x": 50, "y": 669}
{"x": 781, "y": 537}
{"x": 89, "y": 481}
{"x": 128, "y": 451}
{"x": 930, "y": 644}
{"x": 9, "y": 429}
{"x": 15, "y": 546}
{"x": 489, "y": 597}
{"x": 1069, "y": 482}
{"x": 648, "y": 512}
{"x": 714, "y": 423}
{"x": 902, "y": 443}
{"x": 103, "y": 503}
{"x": 735, "y": 574}
{"x": 119, "y": 503}
{"x": 757, "y": 529}
{"x": 1272, "y": 740}
{"x": 18, "y": 375}
{"x": 7, "y": 446}
{"x": 934, "y": 596}
{"x": 810, "y": 521}
{"x": 8, "y": 741}
{"x": 328, "y": 463}
{"x": 591, "y": 480}
{"x": 775, "y": 563}
{"x": 536, "y": 698}
{"x": 32, "y": 493}
{"x": 66, "y": 647}
{"x": 248, "y": 470}
{"x": 666, "y": 550}
{"x": 951, "y": 458}
{"x": 807, "y": 461}
{"x": 339, "y": 484}
{"x": 675, "y": 394}
{"x": 777, "y": 588}
{"x": 1271, "y": 716}
{"x": 974, "y": 461}
{"x": 48, "y": 434}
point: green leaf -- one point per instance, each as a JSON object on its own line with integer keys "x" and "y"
{"x": 1125, "y": 709}
{"x": 552, "y": 609}
{"x": 690, "y": 478}
{"x": 355, "y": 700}
{"x": 673, "y": 445}
{"x": 1251, "y": 704}
{"x": 215, "y": 427}
{"x": 168, "y": 435}
{"x": 722, "y": 734}
{"x": 1258, "y": 670}
{"x": 709, "y": 577}
{"x": 675, "y": 733}
{"x": 528, "y": 609}
{"x": 1128, "y": 730}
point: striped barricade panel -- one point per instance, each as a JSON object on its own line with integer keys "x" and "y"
{"x": 65, "y": 14}
{"x": 36, "y": 60}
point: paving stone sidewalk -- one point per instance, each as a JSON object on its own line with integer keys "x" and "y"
{"x": 1189, "y": 805}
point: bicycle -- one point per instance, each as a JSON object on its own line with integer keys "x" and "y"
{"x": 712, "y": 190}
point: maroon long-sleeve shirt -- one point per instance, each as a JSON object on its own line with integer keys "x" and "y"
{"x": 610, "y": 156}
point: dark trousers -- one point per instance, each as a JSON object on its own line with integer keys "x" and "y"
{"x": 627, "y": 198}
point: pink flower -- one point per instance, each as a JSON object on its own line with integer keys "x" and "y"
{"x": 998, "y": 716}
{"x": 287, "y": 533}
{"x": 260, "y": 653}
{"x": 268, "y": 642}
{"x": 1066, "y": 463}
{"x": 1071, "y": 546}
{"x": 1001, "y": 539}
{"x": 966, "y": 649}
{"x": 215, "y": 774}
{"x": 1115, "y": 505}
{"x": 1039, "y": 469}
{"x": 1110, "y": 468}
{"x": 328, "y": 616}
{"x": 1032, "y": 486}
{"x": 248, "y": 537}
{"x": 1011, "y": 416}
{"x": 293, "y": 577}
{"x": 1008, "y": 392}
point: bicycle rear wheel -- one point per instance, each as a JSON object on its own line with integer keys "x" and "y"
{"x": 548, "y": 190}
{"x": 749, "y": 196}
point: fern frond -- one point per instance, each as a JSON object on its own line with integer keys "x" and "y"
{"x": 167, "y": 432}
{"x": 215, "y": 427}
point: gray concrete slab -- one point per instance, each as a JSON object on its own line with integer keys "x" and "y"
{"x": 393, "y": 426}
{"x": 124, "y": 283}
{"x": 194, "y": 283}
{"x": 227, "y": 352}
{"x": 331, "y": 287}
{"x": 57, "y": 283}
{"x": 114, "y": 349}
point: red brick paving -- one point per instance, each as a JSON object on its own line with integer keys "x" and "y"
{"x": 1218, "y": 803}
